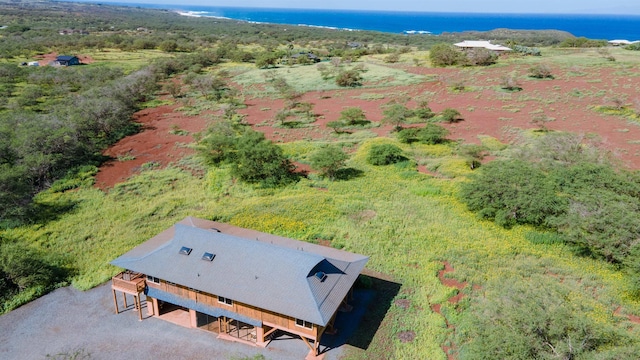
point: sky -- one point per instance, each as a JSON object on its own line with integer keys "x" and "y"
{"x": 631, "y": 7}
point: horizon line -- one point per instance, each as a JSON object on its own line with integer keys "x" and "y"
{"x": 152, "y": 2}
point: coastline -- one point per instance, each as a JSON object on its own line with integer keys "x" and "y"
{"x": 592, "y": 26}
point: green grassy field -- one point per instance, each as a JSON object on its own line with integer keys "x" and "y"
{"x": 407, "y": 222}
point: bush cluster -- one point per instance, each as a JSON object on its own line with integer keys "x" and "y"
{"x": 430, "y": 134}
{"x": 385, "y": 154}
{"x": 558, "y": 183}
{"x": 525, "y": 50}
{"x": 252, "y": 158}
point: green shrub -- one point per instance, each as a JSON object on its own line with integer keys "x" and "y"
{"x": 446, "y": 55}
{"x": 541, "y": 71}
{"x": 582, "y": 42}
{"x": 514, "y": 192}
{"x": 353, "y": 116}
{"x": 349, "y": 78}
{"x": 481, "y": 57}
{"x": 533, "y": 51}
{"x": 328, "y": 160}
{"x": 384, "y": 154}
{"x": 451, "y": 115}
{"x": 432, "y": 134}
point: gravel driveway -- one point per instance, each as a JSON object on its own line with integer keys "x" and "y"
{"x": 69, "y": 321}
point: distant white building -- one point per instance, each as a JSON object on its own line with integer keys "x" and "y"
{"x": 475, "y": 44}
{"x": 621, "y": 42}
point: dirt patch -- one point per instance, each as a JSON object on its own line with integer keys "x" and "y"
{"x": 448, "y": 281}
{"x": 407, "y": 336}
{"x": 449, "y": 350}
{"x": 163, "y": 140}
{"x": 403, "y": 303}
{"x": 632, "y": 318}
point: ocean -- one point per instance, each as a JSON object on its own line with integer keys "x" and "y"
{"x": 609, "y": 27}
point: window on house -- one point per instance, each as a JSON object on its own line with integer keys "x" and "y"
{"x": 208, "y": 256}
{"x": 153, "y": 279}
{"x": 304, "y": 324}
{"x": 185, "y": 250}
{"x": 225, "y": 300}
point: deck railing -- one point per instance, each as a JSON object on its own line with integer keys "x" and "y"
{"x": 129, "y": 282}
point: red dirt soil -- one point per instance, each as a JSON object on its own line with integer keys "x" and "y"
{"x": 486, "y": 110}
{"x": 155, "y": 143}
{"x": 453, "y": 300}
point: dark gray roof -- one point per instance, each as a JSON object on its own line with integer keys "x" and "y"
{"x": 258, "y": 269}
{"x": 65, "y": 58}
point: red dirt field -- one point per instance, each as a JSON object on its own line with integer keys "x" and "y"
{"x": 486, "y": 110}
{"x": 155, "y": 143}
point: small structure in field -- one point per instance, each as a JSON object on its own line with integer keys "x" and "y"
{"x": 242, "y": 284}
{"x": 621, "y": 42}
{"x": 66, "y": 60}
{"x": 475, "y": 44}
{"x": 312, "y": 57}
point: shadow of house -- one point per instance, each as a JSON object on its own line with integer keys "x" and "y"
{"x": 370, "y": 306}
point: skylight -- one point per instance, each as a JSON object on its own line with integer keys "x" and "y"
{"x": 208, "y": 256}
{"x": 321, "y": 276}
{"x": 185, "y": 250}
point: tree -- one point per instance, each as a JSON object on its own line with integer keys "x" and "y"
{"x": 261, "y": 162}
{"x": 219, "y": 144}
{"x": 267, "y": 59}
{"x": 328, "y": 161}
{"x": 451, "y": 115}
{"x": 385, "y": 154}
{"x": 168, "y": 46}
{"x": 395, "y": 114}
{"x": 432, "y": 134}
{"x": 423, "y": 111}
{"x": 336, "y": 125}
{"x": 530, "y": 318}
{"x": 353, "y": 116}
{"x": 514, "y": 192}
{"x": 445, "y": 55}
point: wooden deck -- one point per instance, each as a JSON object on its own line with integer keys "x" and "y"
{"x": 129, "y": 282}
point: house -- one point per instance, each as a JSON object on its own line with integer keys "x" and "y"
{"x": 621, "y": 42}
{"x": 312, "y": 57}
{"x": 475, "y": 44}
{"x": 66, "y": 60}
{"x": 242, "y": 284}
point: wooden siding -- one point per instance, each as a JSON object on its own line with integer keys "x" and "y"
{"x": 271, "y": 318}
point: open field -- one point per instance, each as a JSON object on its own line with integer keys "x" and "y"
{"x": 408, "y": 217}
